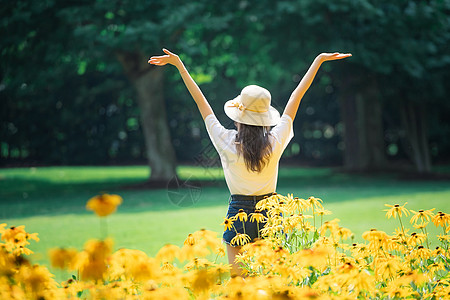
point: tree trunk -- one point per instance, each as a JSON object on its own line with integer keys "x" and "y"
{"x": 148, "y": 82}
{"x": 363, "y": 134}
{"x": 413, "y": 118}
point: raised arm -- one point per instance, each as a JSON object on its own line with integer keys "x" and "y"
{"x": 173, "y": 59}
{"x": 305, "y": 83}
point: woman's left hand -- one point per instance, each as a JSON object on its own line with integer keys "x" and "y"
{"x": 333, "y": 56}
{"x": 170, "y": 58}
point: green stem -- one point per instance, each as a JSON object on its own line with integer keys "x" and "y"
{"x": 424, "y": 230}
{"x": 234, "y": 228}
{"x": 403, "y": 230}
{"x": 103, "y": 228}
{"x": 314, "y": 217}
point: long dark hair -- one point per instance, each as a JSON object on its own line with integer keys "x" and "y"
{"x": 253, "y": 143}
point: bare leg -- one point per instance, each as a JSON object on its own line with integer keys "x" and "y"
{"x": 232, "y": 252}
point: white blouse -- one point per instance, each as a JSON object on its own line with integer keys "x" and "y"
{"x": 239, "y": 179}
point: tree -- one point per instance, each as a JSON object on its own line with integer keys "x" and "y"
{"x": 57, "y": 108}
{"x": 104, "y": 34}
{"x": 396, "y": 45}
{"x": 131, "y": 30}
{"x": 96, "y": 49}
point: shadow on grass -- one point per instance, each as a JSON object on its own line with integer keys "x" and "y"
{"x": 24, "y": 197}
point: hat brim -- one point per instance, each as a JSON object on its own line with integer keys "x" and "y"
{"x": 268, "y": 118}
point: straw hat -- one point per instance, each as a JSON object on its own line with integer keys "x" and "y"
{"x": 252, "y": 107}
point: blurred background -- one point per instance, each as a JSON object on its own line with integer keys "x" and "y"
{"x": 76, "y": 88}
{"x": 83, "y": 113}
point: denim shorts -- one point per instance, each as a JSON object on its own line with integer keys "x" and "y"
{"x": 247, "y": 203}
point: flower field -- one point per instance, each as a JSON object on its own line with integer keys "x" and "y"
{"x": 300, "y": 255}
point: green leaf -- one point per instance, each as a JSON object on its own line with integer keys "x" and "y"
{"x": 109, "y": 15}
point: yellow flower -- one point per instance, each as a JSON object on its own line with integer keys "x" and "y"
{"x": 168, "y": 253}
{"x": 316, "y": 257}
{"x": 16, "y": 239}
{"x": 92, "y": 262}
{"x": 72, "y": 288}
{"x": 190, "y": 240}
{"x": 437, "y": 266}
{"x": 266, "y": 203}
{"x": 166, "y": 293}
{"x": 420, "y": 252}
{"x": 297, "y": 204}
{"x": 132, "y": 264}
{"x": 228, "y": 223}
{"x": 2, "y": 227}
{"x": 17, "y": 235}
{"x": 208, "y": 237}
{"x": 441, "y": 219}
{"x": 398, "y": 292}
{"x": 240, "y": 239}
{"x": 438, "y": 251}
{"x": 416, "y": 238}
{"x": 420, "y": 225}
{"x": 396, "y": 209}
{"x": 169, "y": 269}
{"x": 203, "y": 280}
{"x": 422, "y": 215}
{"x": 197, "y": 263}
{"x": 35, "y": 280}
{"x": 322, "y": 212}
{"x": 220, "y": 251}
{"x": 444, "y": 238}
{"x": 104, "y": 205}
{"x": 221, "y": 269}
{"x": 314, "y": 202}
{"x": 376, "y": 238}
{"x": 188, "y": 251}
{"x": 61, "y": 258}
{"x": 344, "y": 233}
{"x": 388, "y": 268}
{"x": 241, "y": 215}
{"x": 257, "y": 216}
{"x": 332, "y": 226}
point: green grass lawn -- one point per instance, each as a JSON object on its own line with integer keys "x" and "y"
{"x": 51, "y": 201}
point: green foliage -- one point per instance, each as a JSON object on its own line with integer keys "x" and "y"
{"x": 65, "y": 98}
{"x": 51, "y": 200}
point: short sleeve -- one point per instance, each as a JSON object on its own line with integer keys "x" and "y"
{"x": 219, "y": 135}
{"x": 283, "y": 131}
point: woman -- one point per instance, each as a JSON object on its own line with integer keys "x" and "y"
{"x": 251, "y": 154}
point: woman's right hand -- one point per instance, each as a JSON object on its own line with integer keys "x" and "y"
{"x": 169, "y": 58}
{"x": 333, "y": 56}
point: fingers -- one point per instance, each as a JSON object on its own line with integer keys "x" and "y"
{"x": 159, "y": 57}
{"x": 167, "y": 51}
{"x": 337, "y": 55}
{"x": 156, "y": 61}
{"x": 344, "y": 55}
